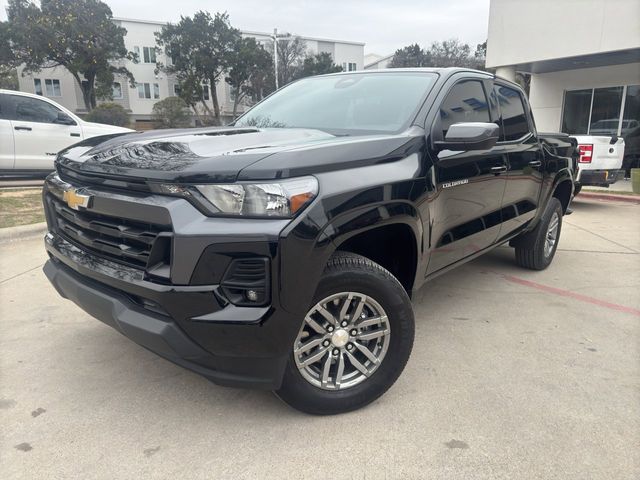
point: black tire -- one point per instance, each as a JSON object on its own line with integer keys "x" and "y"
{"x": 530, "y": 247}
{"x": 576, "y": 189}
{"x": 347, "y": 272}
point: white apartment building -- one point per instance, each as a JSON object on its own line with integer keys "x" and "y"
{"x": 584, "y": 61}
{"x": 59, "y": 85}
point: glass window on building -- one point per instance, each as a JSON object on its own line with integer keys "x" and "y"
{"x": 205, "y": 92}
{"x": 605, "y": 112}
{"x": 577, "y": 105}
{"x": 149, "y": 54}
{"x": 37, "y": 86}
{"x": 156, "y": 90}
{"x": 630, "y": 128}
{"x": 116, "y": 90}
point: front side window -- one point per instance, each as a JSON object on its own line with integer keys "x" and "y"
{"x": 465, "y": 102}
{"x": 345, "y": 104}
{"x": 514, "y": 119}
{"x": 29, "y": 109}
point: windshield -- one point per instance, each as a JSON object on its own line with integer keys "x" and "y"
{"x": 347, "y": 104}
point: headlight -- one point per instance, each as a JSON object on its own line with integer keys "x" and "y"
{"x": 281, "y": 199}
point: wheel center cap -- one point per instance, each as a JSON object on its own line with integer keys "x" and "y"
{"x": 340, "y": 338}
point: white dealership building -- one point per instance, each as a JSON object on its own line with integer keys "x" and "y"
{"x": 59, "y": 85}
{"x": 584, "y": 61}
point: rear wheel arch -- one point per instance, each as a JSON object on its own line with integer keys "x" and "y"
{"x": 563, "y": 192}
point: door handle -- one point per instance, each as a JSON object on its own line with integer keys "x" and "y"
{"x": 498, "y": 170}
{"x": 28, "y": 129}
{"x": 75, "y": 134}
{"x": 535, "y": 163}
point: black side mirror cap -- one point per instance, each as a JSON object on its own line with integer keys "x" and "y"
{"x": 469, "y": 136}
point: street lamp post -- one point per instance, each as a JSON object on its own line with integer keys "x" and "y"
{"x": 275, "y": 38}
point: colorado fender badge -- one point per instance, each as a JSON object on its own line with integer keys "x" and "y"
{"x": 455, "y": 184}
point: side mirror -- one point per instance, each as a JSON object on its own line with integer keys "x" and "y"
{"x": 64, "y": 119}
{"x": 469, "y": 136}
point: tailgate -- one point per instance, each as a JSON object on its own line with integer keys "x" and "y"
{"x": 605, "y": 156}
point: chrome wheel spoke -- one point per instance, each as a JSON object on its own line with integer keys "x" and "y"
{"x": 345, "y": 307}
{"x": 367, "y": 353}
{"x": 373, "y": 335}
{"x": 356, "y": 363}
{"x": 315, "y": 325}
{"x": 325, "y": 371}
{"x": 308, "y": 346}
{"x": 359, "y": 307}
{"x": 340, "y": 371}
{"x": 326, "y": 314}
{"x": 371, "y": 321}
{"x": 314, "y": 357}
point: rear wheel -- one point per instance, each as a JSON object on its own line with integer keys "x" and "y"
{"x": 535, "y": 249}
{"x": 354, "y": 342}
{"x": 576, "y": 189}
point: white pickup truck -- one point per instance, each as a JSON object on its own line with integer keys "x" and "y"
{"x": 600, "y": 161}
{"x": 33, "y": 129}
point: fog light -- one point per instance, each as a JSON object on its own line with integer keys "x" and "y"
{"x": 252, "y": 295}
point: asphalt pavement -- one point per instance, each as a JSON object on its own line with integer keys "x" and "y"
{"x": 514, "y": 375}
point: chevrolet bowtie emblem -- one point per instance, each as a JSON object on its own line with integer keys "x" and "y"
{"x": 75, "y": 199}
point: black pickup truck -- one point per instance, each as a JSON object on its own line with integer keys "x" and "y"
{"x": 281, "y": 252}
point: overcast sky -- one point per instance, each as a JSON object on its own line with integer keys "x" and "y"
{"x": 383, "y": 25}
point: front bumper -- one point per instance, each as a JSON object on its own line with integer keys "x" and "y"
{"x": 600, "y": 178}
{"x": 184, "y": 314}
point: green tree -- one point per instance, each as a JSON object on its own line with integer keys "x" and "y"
{"x": 318, "y": 64}
{"x": 78, "y": 35}
{"x": 291, "y": 54}
{"x": 452, "y": 53}
{"x": 200, "y": 49}
{"x": 109, "y": 113}
{"x": 172, "y": 112}
{"x": 410, "y": 56}
{"x": 249, "y": 64}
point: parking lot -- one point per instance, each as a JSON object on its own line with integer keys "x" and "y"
{"x": 514, "y": 374}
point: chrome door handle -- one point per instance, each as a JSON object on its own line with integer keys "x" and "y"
{"x": 499, "y": 170}
{"x": 535, "y": 163}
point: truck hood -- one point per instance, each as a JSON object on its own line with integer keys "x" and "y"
{"x": 224, "y": 154}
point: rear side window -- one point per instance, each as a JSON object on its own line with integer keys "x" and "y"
{"x": 465, "y": 102}
{"x": 7, "y": 109}
{"x": 514, "y": 119}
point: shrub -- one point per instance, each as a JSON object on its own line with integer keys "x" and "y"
{"x": 109, "y": 113}
{"x": 172, "y": 112}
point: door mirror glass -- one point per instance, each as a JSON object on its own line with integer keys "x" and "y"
{"x": 64, "y": 119}
{"x": 466, "y": 136}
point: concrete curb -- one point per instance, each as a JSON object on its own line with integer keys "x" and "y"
{"x": 611, "y": 197}
{"x": 21, "y": 232}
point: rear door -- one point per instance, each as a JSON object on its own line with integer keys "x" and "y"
{"x": 6, "y": 137}
{"x": 519, "y": 141}
{"x": 37, "y": 135}
{"x": 470, "y": 184}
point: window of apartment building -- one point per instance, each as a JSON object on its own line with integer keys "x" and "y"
{"x": 177, "y": 90}
{"x": 149, "y": 54}
{"x": 349, "y": 67}
{"x": 205, "y": 92}
{"x": 601, "y": 111}
{"x": 51, "y": 87}
{"x": 116, "y": 91}
{"x": 148, "y": 90}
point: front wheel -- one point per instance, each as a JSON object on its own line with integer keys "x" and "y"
{"x": 535, "y": 249}
{"x": 354, "y": 341}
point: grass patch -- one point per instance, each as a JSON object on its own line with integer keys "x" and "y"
{"x": 21, "y": 207}
{"x": 606, "y": 192}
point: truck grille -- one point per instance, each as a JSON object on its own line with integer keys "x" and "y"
{"x": 127, "y": 241}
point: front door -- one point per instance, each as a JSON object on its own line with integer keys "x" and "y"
{"x": 524, "y": 178}
{"x": 466, "y": 209}
{"x": 37, "y": 135}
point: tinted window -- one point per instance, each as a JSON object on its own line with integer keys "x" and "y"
{"x": 29, "y": 109}
{"x": 377, "y": 102}
{"x": 514, "y": 120}
{"x": 605, "y": 114}
{"x": 575, "y": 117}
{"x": 465, "y": 102}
